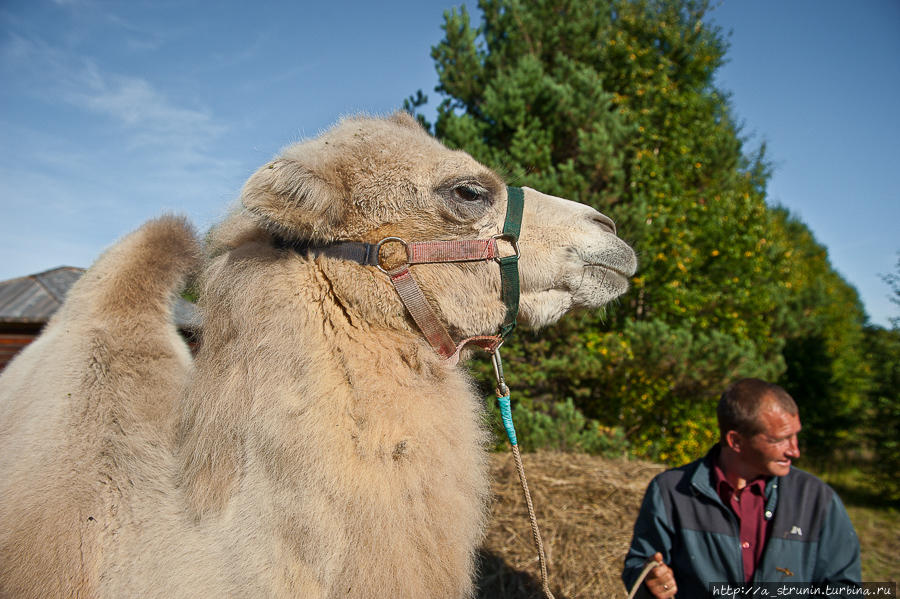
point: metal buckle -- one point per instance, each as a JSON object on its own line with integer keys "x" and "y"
{"x": 512, "y": 240}
{"x": 378, "y": 251}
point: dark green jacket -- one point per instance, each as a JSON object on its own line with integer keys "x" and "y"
{"x": 811, "y": 538}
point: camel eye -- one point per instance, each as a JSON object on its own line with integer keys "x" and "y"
{"x": 469, "y": 193}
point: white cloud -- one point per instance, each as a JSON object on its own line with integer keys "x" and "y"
{"x": 147, "y": 116}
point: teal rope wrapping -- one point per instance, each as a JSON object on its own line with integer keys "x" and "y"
{"x": 506, "y": 416}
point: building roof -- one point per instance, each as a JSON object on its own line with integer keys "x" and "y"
{"x": 34, "y": 298}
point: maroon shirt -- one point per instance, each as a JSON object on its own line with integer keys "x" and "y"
{"x": 749, "y": 505}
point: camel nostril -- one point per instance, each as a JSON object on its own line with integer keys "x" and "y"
{"x": 604, "y": 221}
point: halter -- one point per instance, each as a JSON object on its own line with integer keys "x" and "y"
{"x": 432, "y": 252}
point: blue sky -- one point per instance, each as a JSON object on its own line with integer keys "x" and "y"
{"x": 114, "y": 112}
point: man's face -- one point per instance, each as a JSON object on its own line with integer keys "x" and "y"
{"x": 769, "y": 453}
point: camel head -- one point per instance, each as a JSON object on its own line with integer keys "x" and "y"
{"x": 367, "y": 179}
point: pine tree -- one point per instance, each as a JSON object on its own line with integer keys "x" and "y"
{"x": 613, "y": 103}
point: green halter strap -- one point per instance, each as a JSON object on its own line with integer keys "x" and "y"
{"x": 509, "y": 265}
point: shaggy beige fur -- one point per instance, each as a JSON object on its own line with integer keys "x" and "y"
{"x": 318, "y": 447}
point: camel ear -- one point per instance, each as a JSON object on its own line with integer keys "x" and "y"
{"x": 291, "y": 200}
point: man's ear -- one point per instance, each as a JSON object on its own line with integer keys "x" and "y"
{"x": 733, "y": 440}
{"x": 291, "y": 200}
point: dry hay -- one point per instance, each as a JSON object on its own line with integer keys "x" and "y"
{"x": 586, "y": 507}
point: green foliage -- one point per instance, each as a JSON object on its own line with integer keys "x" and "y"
{"x": 563, "y": 427}
{"x": 893, "y": 281}
{"x": 883, "y": 415}
{"x": 823, "y": 324}
{"x": 412, "y": 103}
{"x": 613, "y": 103}
{"x": 190, "y": 292}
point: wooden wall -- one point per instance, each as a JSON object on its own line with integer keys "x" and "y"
{"x": 13, "y": 343}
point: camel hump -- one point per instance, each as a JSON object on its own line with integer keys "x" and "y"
{"x": 92, "y": 399}
{"x": 138, "y": 276}
{"x": 115, "y": 332}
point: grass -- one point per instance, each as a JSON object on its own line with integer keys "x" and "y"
{"x": 879, "y": 539}
{"x": 875, "y": 518}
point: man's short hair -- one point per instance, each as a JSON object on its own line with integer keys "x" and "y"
{"x": 739, "y": 405}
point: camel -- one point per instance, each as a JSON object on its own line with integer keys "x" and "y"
{"x": 317, "y": 445}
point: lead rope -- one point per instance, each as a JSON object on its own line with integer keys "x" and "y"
{"x": 506, "y": 416}
{"x": 503, "y": 401}
{"x": 647, "y": 567}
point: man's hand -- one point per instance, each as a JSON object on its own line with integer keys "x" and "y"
{"x": 661, "y": 580}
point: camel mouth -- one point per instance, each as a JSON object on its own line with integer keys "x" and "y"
{"x": 615, "y": 280}
{"x": 611, "y": 269}
{"x": 618, "y": 280}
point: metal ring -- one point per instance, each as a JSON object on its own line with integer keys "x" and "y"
{"x": 378, "y": 251}
{"x": 513, "y": 241}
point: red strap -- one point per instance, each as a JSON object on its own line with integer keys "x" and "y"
{"x": 427, "y": 321}
{"x": 414, "y": 300}
{"x": 423, "y": 252}
{"x": 419, "y": 252}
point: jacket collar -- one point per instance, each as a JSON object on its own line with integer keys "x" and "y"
{"x": 702, "y": 482}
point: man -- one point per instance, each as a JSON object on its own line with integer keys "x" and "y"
{"x": 742, "y": 515}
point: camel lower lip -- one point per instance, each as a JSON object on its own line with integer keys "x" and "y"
{"x": 614, "y": 277}
{"x": 609, "y": 268}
